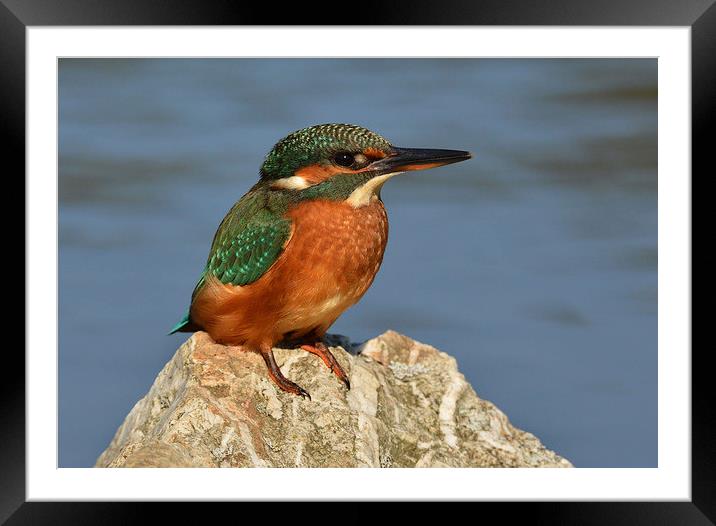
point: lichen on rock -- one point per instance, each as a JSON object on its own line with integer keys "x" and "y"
{"x": 408, "y": 406}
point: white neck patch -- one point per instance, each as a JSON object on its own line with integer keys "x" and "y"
{"x": 295, "y": 182}
{"x": 369, "y": 192}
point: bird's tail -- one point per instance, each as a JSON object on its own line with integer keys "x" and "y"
{"x": 185, "y": 325}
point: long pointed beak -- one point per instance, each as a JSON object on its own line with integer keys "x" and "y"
{"x": 406, "y": 159}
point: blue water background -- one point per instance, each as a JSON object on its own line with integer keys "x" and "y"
{"x": 534, "y": 264}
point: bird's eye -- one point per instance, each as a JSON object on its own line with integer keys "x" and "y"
{"x": 344, "y": 159}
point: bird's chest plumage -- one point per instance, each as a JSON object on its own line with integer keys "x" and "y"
{"x": 332, "y": 257}
{"x": 333, "y": 254}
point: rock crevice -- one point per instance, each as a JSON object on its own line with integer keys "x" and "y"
{"x": 409, "y": 406}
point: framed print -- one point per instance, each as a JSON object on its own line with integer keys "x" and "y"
{"x": 532, "y": 307}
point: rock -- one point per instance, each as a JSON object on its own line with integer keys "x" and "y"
{"x": 214, "y": 406}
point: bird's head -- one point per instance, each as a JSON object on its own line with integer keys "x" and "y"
{"x": 344, "y": 161}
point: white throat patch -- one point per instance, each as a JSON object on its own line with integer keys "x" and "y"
{"x": 369, "y": 192}
{"x": 295, "y": 182}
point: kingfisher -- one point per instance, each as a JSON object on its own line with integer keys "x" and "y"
{"x": 303, "y": 244}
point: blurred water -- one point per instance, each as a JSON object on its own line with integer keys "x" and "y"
{"x": 535, "y": 263}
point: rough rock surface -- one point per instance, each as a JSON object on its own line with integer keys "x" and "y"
{"x": 214, "y": 406}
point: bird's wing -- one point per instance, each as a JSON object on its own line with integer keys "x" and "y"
{"x": 249, "y": 240}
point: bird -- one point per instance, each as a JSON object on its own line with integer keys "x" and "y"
{"x": 303, "y": 244}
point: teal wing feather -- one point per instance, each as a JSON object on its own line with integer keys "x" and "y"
{"x": 249, "y": 240}
{"x": 247, "y": 243}
{"x": 243, "y": 256}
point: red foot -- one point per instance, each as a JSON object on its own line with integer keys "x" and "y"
{"x": 277, "y": 376}
{"x": 320, "y": 350}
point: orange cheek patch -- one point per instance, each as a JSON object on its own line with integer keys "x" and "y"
{"x": 316, "y": 173}
{"x": 374, "y": 153}
{"x": 319, "y": 172}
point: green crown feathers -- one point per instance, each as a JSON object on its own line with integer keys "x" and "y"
{"x": 316, "y": 143}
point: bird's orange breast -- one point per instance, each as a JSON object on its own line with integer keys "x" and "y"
{"x": 329, "y": 262}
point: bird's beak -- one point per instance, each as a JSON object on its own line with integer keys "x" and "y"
{"x": 406, "y": 159}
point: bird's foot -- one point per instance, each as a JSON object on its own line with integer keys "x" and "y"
{"x": 320, "y": 350}
{"x": 278, "y": 378}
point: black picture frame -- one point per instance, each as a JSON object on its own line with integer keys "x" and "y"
{"x": 700, "y": 15}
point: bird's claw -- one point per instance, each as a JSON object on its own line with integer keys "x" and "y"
{"x": 277, "y": 376}
{"x": 320, "y": 350}
{"x": 302, "y": 392}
